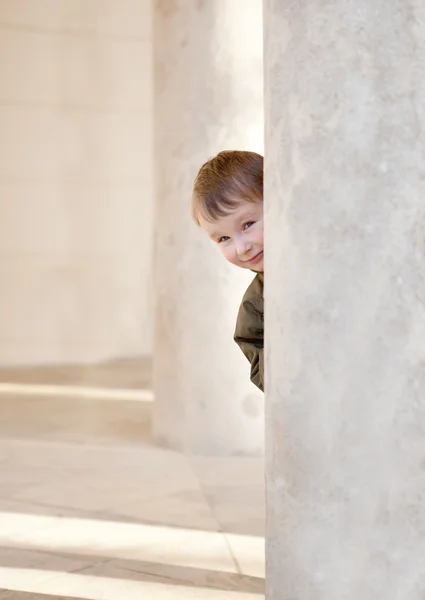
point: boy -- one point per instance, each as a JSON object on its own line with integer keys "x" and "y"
{"x": 227, "y": 203}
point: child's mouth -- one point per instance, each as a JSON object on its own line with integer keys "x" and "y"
{"x": 256, "y": 257}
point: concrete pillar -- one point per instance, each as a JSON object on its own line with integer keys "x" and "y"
{"x": 208, "y": 97}
{"x": 345, "y": 299}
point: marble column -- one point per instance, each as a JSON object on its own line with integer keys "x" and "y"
{"x": 345, "y": 299}
{"x": 208, "y": 97}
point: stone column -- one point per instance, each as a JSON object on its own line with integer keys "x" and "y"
{"x": 208, "y": 97}
{"x": 345, "y": 299}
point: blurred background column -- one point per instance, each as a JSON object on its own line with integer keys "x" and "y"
{"x": 208, "y": 97}
{"x": 345, "y": 299}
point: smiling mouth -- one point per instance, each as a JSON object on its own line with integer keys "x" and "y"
{"x": 255, "y": 258}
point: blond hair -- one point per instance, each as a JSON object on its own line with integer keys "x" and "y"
{"x": 225, "y": 180}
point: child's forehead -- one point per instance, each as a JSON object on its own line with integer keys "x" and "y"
{"x": 234, "y": 218}
{"x": 242, "y": 210}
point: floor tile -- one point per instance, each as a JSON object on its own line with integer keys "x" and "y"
{"x": 90, "y": 509}
{"x": 234, "y": 490}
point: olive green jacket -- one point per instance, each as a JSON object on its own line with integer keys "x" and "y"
{"x": 249, "y": 333}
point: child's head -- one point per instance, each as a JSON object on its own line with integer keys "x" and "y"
{"x": 228, "y": 204}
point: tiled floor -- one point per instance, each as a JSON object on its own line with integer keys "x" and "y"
{"x": 91, "y": 509}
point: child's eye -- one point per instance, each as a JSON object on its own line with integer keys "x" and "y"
{"x": 248, "y": 224}
{"x": 223, "y": 238}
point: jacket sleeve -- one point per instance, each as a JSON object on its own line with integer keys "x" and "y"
{"x": 249, "y": 335}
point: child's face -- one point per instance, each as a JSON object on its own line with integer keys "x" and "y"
{"x": 239, "y": 235}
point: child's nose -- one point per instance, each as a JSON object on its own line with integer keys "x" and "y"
{"x": 242, "y": 247}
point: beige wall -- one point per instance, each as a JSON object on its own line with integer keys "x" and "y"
{"x": 75, "y": 180}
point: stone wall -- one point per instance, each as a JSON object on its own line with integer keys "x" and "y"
{"x": 75, "y": 180}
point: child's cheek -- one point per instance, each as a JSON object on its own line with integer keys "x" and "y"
{"x": 260, "y": 231}
{"x": 229, "y": 254}
{"x": 222, "y": 249}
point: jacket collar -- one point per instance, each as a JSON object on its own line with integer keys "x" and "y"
{"x": 259, "y": 274}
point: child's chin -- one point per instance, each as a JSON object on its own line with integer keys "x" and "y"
{"x": 258, "y": 268}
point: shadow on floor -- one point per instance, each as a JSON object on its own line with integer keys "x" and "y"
{"x": 9, "y": 595}
{"x": 53, "y": 443}
{"x": 144, "y": 571}
{"x": 70, "y": 419}
{"x": 126, "y": 373}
